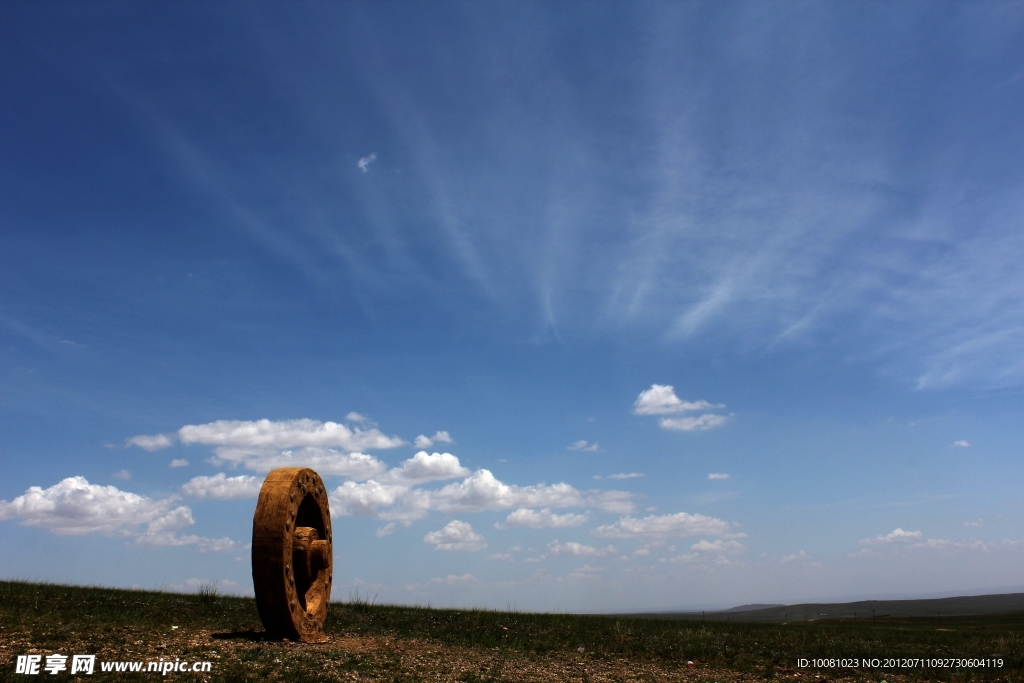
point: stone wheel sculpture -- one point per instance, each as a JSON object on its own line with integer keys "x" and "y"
{"x": 292, "y": 554}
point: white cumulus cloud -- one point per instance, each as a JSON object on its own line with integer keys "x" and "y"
{"x": 573, "y": 548}
{"x": 541, "y": 519}
{"x": 364, "y": 499}
{"x": 661, "y": 399}
{"x": 222, "y": 487}
{"x": 285, "y": 434}
{"x": 424, "y": 467}
{"x": 583, "y": 445}
{"x": 74, "y": 507}
{"x": 326, "y": 461}
{"x": 626, "y": 475}
{"x": 442, "y": 437}
{"x": 423, "y": 441}
{"x": 718, "y": 476}
{"x": 962, "y": 443}
{"x": 482, "y": 491}
{"x": 178, "y": 462}
{"x": 678, "y": 524}
{"x": 456, "y": 536}
{"x": 396, "y": 498}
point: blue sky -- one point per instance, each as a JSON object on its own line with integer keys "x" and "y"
{"x": 574, "y": 306}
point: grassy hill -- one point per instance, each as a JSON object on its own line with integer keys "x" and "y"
{"x": 968, "y": 605}
{"x": 396, "y": 643}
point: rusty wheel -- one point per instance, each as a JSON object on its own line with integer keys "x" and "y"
{"x": 292, "y": 554}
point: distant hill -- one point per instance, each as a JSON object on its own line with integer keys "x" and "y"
{"x": 749, "y": 608}
{"x": 967, "y": 605}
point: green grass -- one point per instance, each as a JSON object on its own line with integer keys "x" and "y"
{"x": 137, "y": 625}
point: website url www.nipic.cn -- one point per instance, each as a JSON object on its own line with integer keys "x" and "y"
{"x": 33, "y": 665}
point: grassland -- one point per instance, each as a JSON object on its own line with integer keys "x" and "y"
{"x": 395, "y": 643}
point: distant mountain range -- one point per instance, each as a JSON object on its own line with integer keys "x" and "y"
{"x": 967, "y": 605}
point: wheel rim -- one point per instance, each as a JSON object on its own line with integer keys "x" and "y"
{"x": 292, "y": 554}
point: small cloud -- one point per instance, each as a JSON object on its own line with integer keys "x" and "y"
{"x": 542, "y": 519}
{"x": 583, "y": 445}
{"x": 424, "y": 441}
{"x": 573, "y": 548}
{"x": 151, "y": 442}
{"x": 453, "y": 580}
{"x": 626, "y": 475}
{"x": 178, "y": 462}
{"x": 693, "y": 424}
{"x": 385, "y": 530}
{"x": 356, "y": 417}
{"x": 661, "y": 399}
{"x": 975, "y": 524}
{"x": 456, "y": 536}
{"x": 718, "y": 546}
{"x": 719, "y": 475}
{"x": 793, "y": 558}
{"x": 424, "y": 467}
{"x": 962, "y": 443}
{"x": 507, "y": 557}
{"x": 123, "y": 475}
{"x": 222, "y": 487}
{"x": 895, "y": 536}
{"x": 364, "y": 162}
{"x": 666, "y": 526}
